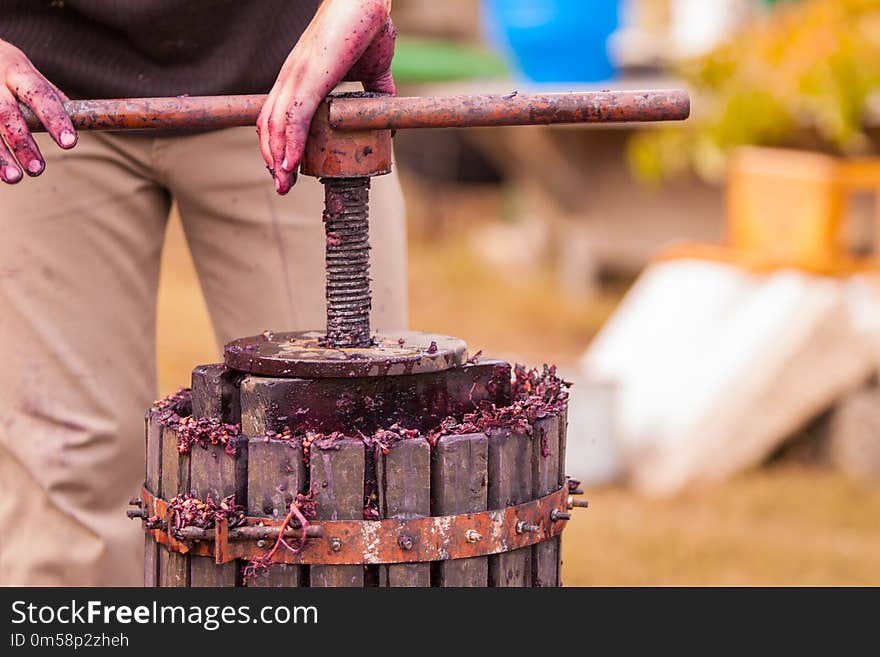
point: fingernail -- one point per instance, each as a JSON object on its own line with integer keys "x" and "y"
{"x": 35, "y": 166}
{"x": 68, "y": 139}
{"x": 11, "y": 174}
{"x": 285, "y": 165}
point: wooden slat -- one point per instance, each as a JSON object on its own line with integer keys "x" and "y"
{"x": 276, "y": 473}
{"x": 175, "y": 466}
{"x": 212, "y": 472}
{"x": 212, "y": 475}
{"x": 563, "y": 436}
{"x": 510, "y": 483}
{"x": 215, "y": 393}
{"x": 153, "y": 441}
{"x": 152, "y": 450}
{"x": 173, "y": 566}
{"x": 458, "y": 485}
{"x": 151, "y": 562}
{"x": 338, "y": 475}
{"x": 545, "y": 480}
{"x": 264, "y": 404}
{"x": 404, "y": 478}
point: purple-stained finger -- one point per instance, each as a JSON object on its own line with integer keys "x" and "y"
{"x": 299, "y": 120}
{"x": 9, "y": 171}
{"x": 277, "y": 125}
{"x": 263, "y": 137}
{"x": 43, "y": 98}
{"x": 18, "y": 138}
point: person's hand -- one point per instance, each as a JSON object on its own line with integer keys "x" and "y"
{"x": 22, "y": 82}
{"x": 349, "y": 40}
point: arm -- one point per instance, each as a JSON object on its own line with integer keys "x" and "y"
{"x": 22, "y": 82}
{"x": 346, "y": 40}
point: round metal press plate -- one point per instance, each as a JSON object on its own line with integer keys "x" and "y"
{"x": 302, "y": 355}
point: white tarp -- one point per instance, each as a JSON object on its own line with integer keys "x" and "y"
{"x": 714, "y": 366}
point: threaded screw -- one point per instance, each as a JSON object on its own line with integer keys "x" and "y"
{"x": 346, "y": 222}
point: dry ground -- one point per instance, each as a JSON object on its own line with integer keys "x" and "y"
{"x": 786, "y": 525}
{"x": 781, "y": 525}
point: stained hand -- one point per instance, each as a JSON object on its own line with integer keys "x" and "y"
{"x": 348, "y": 40}
{"x": 22, "y": 82}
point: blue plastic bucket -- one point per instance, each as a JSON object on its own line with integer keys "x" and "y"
{"x": 554, "y": 40}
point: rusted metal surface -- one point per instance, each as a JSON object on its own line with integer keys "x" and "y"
{"x": 577, "y": 504}
{"x": 303, "y": 354}
{"x": 173, "y": 113}
{"x": 347, "y": 262}
{"x": 333, "y": 153}
{"x": 157, "y": 507}
{"x": 258, "y": 532}
{"x": 382, "y": 113}
{"x": 448, "y": 538}
{"x": 512, "y": 109}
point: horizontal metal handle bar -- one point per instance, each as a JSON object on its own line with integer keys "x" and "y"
{"x": 388, "y": 113}
{"x": 381, "y": 113}
{"x": 175, "y": 113}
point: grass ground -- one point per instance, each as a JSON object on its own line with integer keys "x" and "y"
{"x": 781, "y": 525}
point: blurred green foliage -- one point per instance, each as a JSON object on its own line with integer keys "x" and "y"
{"x": 801, "y": 76}
{"x": 427, "y": 60}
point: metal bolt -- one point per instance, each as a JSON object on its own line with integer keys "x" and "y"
{"x": 261, "y": 544}
{"x": 556, "y": 514}
{"x": 577, "y": 491}
{"x": 522, "y": 527}
{"x": 572, "y": 503}
{"x": 473, "y": 536}
{"x": 347, "y": 261}
{"x": 135, "y": 501}
{"x": 135, "y": 513}
{"x": 336, "y": 544}
{"x": 405, "y": 542}
{"x": 154, "y": 523}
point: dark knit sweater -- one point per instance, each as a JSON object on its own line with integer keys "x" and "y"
{"x": 138, "y": 48}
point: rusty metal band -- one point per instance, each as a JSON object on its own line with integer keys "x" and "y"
{"x": 340, "y": 542}
{"x": 158, "y": 507}
{"x": 381, "y": 113}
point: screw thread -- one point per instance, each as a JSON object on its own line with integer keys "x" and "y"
{"x": 346, "y": 221}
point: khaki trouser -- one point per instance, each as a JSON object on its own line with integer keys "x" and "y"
{"x": 79, "y": 271}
